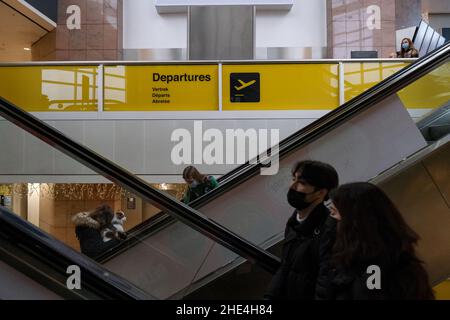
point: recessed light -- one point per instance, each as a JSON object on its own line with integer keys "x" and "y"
{"x": 27, "y": 49}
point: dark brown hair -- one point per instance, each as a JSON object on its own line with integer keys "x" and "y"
{"x": 103, "y": 215}
{"x": 373, "y": 231}
{"x": 192, "y": 172}
{"x": 318, "y": 174}
{"x": 411, "y": 47}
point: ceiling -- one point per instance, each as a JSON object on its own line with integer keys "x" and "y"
{"x": 17, "y": 32}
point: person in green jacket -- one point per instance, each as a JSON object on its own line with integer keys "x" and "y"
{"x": 198, "y": 184}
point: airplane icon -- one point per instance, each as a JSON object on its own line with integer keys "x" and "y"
{"x": 244, "y": 84}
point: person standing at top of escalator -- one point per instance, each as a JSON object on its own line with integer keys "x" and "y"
{"x": 374, "y": 256}
{"x": 309, "y": 236}
{"x": 407, "y": 50}
{"x": 198, "y": 184}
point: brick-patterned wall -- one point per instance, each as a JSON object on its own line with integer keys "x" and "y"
{"x": 348, "y": 31}
{"x": 100, "y": 36}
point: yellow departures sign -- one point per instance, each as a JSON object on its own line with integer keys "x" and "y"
{"x": 280, "y": 87}
{"x": 161, "y": 88}
{"x": 51, "y": 88}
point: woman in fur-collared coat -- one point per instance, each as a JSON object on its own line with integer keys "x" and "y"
{"x": 88, "y": 230}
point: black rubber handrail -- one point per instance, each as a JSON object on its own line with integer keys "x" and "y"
{"x": 297, "y": 140}
{"x": 57, "y": 257}
{"x": 138, "y": 186}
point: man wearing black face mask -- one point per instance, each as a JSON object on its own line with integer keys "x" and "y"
{"x": 309, "y": 235}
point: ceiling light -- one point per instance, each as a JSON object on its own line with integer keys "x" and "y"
{"x": 27, "y": 49}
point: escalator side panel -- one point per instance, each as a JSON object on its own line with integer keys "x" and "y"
{"x": 437, "y": 167}
{"x": 167, "y": 263}
{"x": 17, "y": 286}
{"x": 420, "y": 199}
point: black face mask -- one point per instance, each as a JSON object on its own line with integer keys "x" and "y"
{"x": 297, "y": 199}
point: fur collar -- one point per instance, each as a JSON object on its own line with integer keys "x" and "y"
{"x": 83, "y": 219}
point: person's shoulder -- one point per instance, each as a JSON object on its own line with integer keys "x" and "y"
{"x": 323, "y": 215}
{"x": 211, "y": 180}
{"x": 330, "y": 223}
{"x": 292, "y": 221}
{"x": 83, "y": 219}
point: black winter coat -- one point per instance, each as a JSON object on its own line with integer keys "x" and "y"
{"x": 353, "y": 286}
{"x": 304, "y": 270}
{"x": 404, "y": 280}
{"x": 89, "y": 236}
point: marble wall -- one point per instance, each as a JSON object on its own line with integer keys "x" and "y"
{"x": 98, "y": 38}
{"x": 348, "y": 30}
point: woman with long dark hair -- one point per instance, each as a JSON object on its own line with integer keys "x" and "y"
{"x": 197, "y": 184}
{"x": 407, "y": 50}
{"x": 372, "y": 237}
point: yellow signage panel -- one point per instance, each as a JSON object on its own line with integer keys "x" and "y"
{"x": 361, "y": 76}
{"x": 161, "y": 88}
{"x": 280, "y": 87}
{"x": 50, "y": 88}
{"x": 429, "y": 92}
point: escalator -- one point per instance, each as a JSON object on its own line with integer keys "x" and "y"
{"x": 361, "y": 139}
{"x": 192, "y": 253}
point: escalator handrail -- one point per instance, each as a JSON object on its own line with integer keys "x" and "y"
{"x": 138, "y": 186}
{"x": 298, "y": 139}
{"x": 104, "y": 283}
